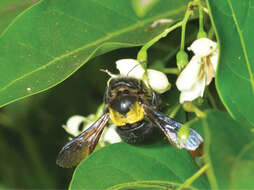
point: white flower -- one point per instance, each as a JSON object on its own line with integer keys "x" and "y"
{"x": 157, "y": 80}
{"x": 72, "y": 125}
{"x": 203, "y": 47}
{"x": 130, "y": 68}
{"x": 200, "y": 70}
{"x": 111, "y": 136}
{"x": 73, "y": 128}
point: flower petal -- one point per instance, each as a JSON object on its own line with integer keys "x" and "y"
{"x": 211, "y": 66}
{"x": 196, "y": 91}
{"x": 130, "y": 68}
{"x": 111, "y": 136}
{"x": 190, "y": 74}
{"x": 203, "y": 47}
{"x": 209, "y": 73}
{"x": 73, "y": 123}
{"x": 158, "y": 81}
{"x": 214, "y": 60}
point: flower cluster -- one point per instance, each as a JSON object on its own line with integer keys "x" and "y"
{"x": 200, "y": 71}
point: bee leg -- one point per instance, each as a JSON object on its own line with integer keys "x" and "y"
{"x": 155, "y": 100}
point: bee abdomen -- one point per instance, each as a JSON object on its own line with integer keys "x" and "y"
{"x": 141, "y": 132}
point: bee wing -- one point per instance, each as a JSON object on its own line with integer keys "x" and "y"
{"x": 171, "y": 127}
{"x": 83, "y": 145}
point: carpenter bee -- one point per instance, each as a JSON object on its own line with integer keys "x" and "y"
{"x": 132, "y": 106}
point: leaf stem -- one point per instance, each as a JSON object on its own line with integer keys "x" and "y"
{"x": 190, "y": 180}
{"x": 211, "y": 99}
{"x": 185, "y": 20}
{"x": 142, "y": 54}
{"x": 198, "y": 112}
{"x": 174, "y": 71}
{"x": 190, "y": 107}
{"x": 201, "y": 18}
{"x": 200, "y": 11}
{"x": 175, "y": 110}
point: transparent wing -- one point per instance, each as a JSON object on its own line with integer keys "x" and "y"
{"x": 83, "y": 145}
{"x": 171, "y": 127}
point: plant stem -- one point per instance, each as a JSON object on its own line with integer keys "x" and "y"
{"x": 201, "y": 17}
{"x": 211, "y": 99}
{"x": 175, "y": 110}
{"x": 190, "y": 107}
{"x": 190, "y": 180}
{"x": 198, "y": 112}
{"x": 142, "y": 54}
{"x": 174, "y": 71}
{"x": 185, "y": 20}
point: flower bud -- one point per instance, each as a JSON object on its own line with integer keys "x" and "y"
{"x": 183, "y": 134}
{"x": 181, "y": 59}
{"x": 188, "y": 106}
{"x": 158, "y": 81}
{"x": 201, "y": 34}
{"x": 203, "y": 47}
{"x": 130, "y": 68}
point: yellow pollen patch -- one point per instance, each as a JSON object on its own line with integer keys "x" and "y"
{"x": 135, "y": 114}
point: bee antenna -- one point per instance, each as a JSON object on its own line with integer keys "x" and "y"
{"x": 134, "y": 68}
{"x": 108, "y": 72}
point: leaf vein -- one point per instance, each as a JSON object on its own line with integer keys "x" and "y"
{"x": 161, "y": 163}
{"x": 237, "y": 74}
{"x": 123, "y": 16}
{"x": 96, "y": 42}
{"x": 243, "y": 45}
{"x": 80, "y": 21}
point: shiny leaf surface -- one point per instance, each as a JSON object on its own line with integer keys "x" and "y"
{"x": 152, "y": 185}
{"x": 229, "y": 151}
{"x": 233, "y": 20}
{"x": 122, "y": 163}
{"x": 51, "y": 40}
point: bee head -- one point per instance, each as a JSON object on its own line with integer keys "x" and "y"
{"x": 125, "y": 108}
{"x": 123, "y": 102}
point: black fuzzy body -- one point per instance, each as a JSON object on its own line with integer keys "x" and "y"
{"x": 120, "y": 95}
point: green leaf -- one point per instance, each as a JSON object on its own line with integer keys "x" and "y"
{"x": 141, "y": 7}
{"x": 242, "y": 172}
{"x": 123, "y": 163}
{"x": 156, "y": 185}
{"x": 226, "y": 149}
{"x": 51, "y": 40}
{"x": 9, "y": 9}
{"x": 233, "y": 20}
